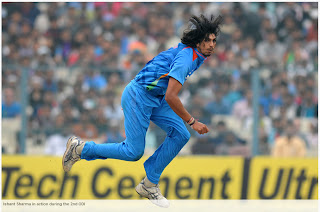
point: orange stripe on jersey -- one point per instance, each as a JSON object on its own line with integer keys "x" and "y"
{"x": 195, "y": 56}
{"x": 163, "y": 76}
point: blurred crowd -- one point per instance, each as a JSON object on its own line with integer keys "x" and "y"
{"x": 80, "y": 56}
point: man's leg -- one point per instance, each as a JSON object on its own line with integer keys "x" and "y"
{"x": 177, "y": 137}
{"x": 137, "y": 111}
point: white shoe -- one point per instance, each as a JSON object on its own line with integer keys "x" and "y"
{"x": 71, "y": 156}
{"x": 153, "y": 194}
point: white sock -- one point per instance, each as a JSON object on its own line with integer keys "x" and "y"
{"x": 147, "y": 183}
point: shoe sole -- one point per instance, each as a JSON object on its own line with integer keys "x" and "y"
{"x": 69, "y": 145}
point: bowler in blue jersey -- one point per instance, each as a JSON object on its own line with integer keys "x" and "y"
{"x": 153, "y": 96}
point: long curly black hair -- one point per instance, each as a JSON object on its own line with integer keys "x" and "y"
{"x": 200, "y": 28}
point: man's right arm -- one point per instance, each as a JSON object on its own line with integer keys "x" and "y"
{"x": 176, "y": 105}
{"x": 180, "y": 67}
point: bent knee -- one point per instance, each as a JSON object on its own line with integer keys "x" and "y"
{"x": 135, "y": 153}
{"x": 132, "y": 151}
{"x": 135, "y": 157}
{"x": 180, "y": 134}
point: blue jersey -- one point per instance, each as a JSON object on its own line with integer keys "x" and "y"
{"x": 178, "y": 62}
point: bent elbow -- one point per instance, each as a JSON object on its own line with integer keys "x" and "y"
{"x": 168, "y": 98}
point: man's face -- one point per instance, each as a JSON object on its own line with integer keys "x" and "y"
{"x": 272, "y": 37}
{"x": 207, "y": 45}
{"x": 290, "y": 130}
{"x": 9, "y": 96}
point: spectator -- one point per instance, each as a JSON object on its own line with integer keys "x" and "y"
{"x": 271, "y": 51}
{"x": 95, "y": 80}
{"x": 113, "y": 110}
{"x": 308, "y": 106}
{"x": 286, "y": 29}
{"x": 312, "y": 138}
{"x": 264, "y": 126}
{"x": 173, "y": 39}
{"x": 101, "y": 121}
{"x": 44, "y": 118}
{"x": 221, "y": 130}
{"x": 266, "y": 26}
{"x": 287, "y": 109}
{"x": 229, "y": 28}
{"x": 142, "y": 36}
{"x": 50, "y": 83}
{"x": 289, "y": 145}
{"x": 36, "y": 94}
{"x": 229, "y": 88}
{"x": 85, "y": 127}
{"x": 296, "y": 59}
{"x": 243, "y": 109}
{"x": 203, "y": 146}
{"x": 277, "y": 129}
{"x": 218, "y": 106}
{"x": 264, "y": 147}
{"x": 60, "y": 126}
{"x": 231, "y": 145}
{"x": 30, "y": 11}
{"x": 10, "y": 107}
{"x": 56, "y": 143}
{"x": 301, "y": 134}
{"x": 312, "y": 34}
{"x": 225, "y": 140}
{"x": 43, "y": 60}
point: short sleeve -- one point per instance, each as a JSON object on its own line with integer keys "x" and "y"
{"x": 181, "y": 65}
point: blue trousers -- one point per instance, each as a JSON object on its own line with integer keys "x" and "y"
{"x": 139, "y": 108}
